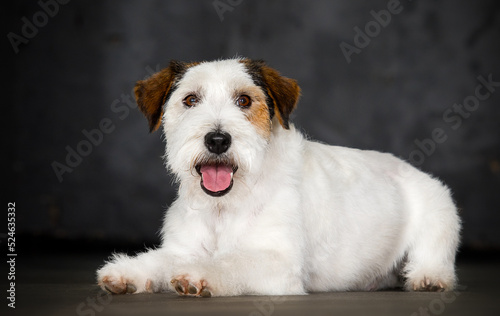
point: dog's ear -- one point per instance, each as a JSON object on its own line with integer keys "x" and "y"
{"x": 152, "y": 93}
{"x": 284, "y": 93}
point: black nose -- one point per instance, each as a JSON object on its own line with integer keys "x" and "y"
{"x": 218, "y": 142}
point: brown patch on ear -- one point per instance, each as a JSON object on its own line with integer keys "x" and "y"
{"x": 258, "y": 112}
{"x": 283, "y": 92}
{"x": 152, "y": 93}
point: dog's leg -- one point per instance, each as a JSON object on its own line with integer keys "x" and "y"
{"x": 259, "y": 273}
{"x": 125, "y": 274}
{"x": 431, "y": 255}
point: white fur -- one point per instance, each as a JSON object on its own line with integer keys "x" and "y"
{"x": 301, "y": 216}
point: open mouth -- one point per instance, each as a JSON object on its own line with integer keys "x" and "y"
{"x": 217, "y": 178}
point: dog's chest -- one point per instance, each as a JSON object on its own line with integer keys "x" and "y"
{"x": 224, "y": 233}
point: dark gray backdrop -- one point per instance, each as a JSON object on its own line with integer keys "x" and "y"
{"x": 76, "y": 65}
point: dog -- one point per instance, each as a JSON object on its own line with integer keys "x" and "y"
{"x": 261, "y": 210}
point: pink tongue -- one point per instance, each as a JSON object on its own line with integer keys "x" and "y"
{"x": 216, "y": 177}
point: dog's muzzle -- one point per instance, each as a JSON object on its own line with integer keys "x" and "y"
{"x": 217, "y": 174}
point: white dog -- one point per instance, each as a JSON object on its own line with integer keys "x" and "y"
{"x": 261, "y": 210}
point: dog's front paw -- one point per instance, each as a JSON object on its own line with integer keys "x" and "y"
{"x": 117, "y": 285}
{"x": 185, "y": 286}
{"x": 121, "y": 285}
{"x": 122, "y": 279}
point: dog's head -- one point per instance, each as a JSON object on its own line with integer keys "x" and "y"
{"x": 217, "y": 117}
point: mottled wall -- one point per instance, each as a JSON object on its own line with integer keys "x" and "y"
{"x": 400, "y": 85}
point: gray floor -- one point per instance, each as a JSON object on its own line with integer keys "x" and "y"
{"x": 63, "y": 285}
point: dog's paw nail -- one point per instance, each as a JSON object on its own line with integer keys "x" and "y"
{"x": 177, "y": 286}
{"x": 205, "y": 293}
{"x": 192, "y": 289}
{"x": 427, "y": 282}
{"x": 108, "y": 290}
{"x": 422, "y": 285}
{"x": 131, "y": 288}
{"x": 149, "y": 286}
{"x": 179, "y": 289}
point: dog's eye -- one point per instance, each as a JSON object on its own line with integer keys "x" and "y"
{"x": 190, "y": 100}
{"x": 244, "y": 101}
